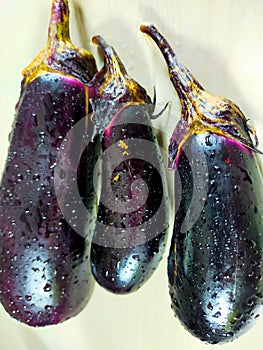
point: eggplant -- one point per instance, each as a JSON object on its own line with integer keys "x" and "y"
{"x": 45, "y": 275}
{"x": 215, "y": 259}
{"x": 133, "y": 213}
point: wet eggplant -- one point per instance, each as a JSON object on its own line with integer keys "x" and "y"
{"x": 45, "y": 274}
{"x": 215, "y": 259}
{"x": 132, "y": 221}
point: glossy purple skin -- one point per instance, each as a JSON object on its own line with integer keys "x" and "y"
{"x": 125, "y": 269}
{"x": 44, "y": 264}
{"x": 215, "y": 272}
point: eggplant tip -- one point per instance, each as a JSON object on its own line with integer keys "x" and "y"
{"x": 95, "y": 39}
{"x": 144, "y": 26}
{"x": 150, "y": 30}
{"x": 103, "y": 45}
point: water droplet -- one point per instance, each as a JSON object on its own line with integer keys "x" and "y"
{"x": 36, "y": 177}
{"x": 217, "y": 169}
{"x": 48, "y": 307}
{"x": 238, "y": 317}
{"x": 210, "y": 306}
{"x": 217, "y": 314}
{"x": 250, "y": 302}
{"x": 236, "y": 189}
{"x": 208, "y": 141}
{"x": 19, "y": 177}
{"x": 47, "y": 287}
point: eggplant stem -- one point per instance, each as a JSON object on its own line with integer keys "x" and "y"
{"x": 59, "y": 23}
{"x": 111, "y": 58}
{"x": 180, "y": 76}
{"x": 201, "y": 112}
{"x": 60, "y": 52}
{"x": 114, "y": 74}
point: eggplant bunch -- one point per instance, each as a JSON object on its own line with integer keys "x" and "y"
{"x": 215, "y": 260}
{"x": 132, "y": 221}
{"x": 45, "y": 275}
{"x": 50, "y": 252}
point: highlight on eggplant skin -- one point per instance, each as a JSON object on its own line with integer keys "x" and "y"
{"x": 123, "y": 255}
{"x": 45, "y": 275}
{"x": 215, "y": 259}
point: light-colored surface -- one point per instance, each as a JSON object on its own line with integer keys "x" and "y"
{"x": 221, "y": 42}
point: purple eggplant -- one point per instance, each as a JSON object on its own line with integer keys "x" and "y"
{"x": 132, "y": 221}
{"x": 215, "y": 260}
{"x": 45, "y": 274}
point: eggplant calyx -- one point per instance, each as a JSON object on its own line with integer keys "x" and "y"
{"x": 202, "y": 112}
{"x": 112, "y": 83}
{"x": 60, "y": 55}
{"x": 112, "y": 90}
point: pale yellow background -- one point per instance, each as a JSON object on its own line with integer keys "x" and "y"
{"x": 221, "y": 42}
